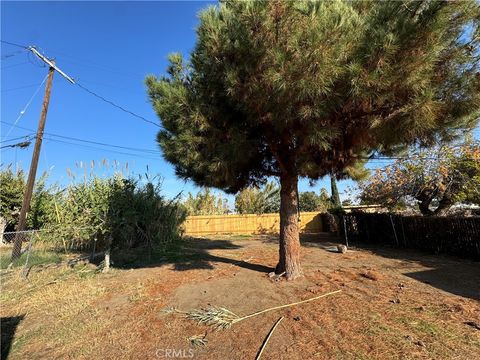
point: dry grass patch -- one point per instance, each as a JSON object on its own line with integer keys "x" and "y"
{"x": 81, "y": 314}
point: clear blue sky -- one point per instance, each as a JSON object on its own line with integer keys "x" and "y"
{"x": 109, "y": 47}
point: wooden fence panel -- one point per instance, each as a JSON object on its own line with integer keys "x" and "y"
{"x": 310, "y": 222}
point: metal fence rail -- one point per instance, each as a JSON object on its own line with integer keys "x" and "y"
{"x": 458, "y": 236}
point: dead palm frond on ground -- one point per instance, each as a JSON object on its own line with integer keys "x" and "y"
{"x": 221, "y": 318}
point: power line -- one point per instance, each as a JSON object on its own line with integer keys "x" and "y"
{"x": 116, "y": 87}
{"x": 117, "y": 106}
{"x": 26, "y": 137}
{"x": 92, "y": 92}
{"x": 104, "y": 144}
{"x": 147, "y": 151}
{"x": 153, "y": 152}
{"x": 12, "y": 54}
{"x": 97, "y": 149}
{"x": 14, "y": 44}
{"x": 20, "y": 87}
{"x": 93, "y": 64}
{"x": 14, "y": 65}
{"x": 26, "y": 106}
{"x": 102, "y": 68}
{"x": 23, "y": 145}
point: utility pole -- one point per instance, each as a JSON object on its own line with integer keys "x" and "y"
{"x": 27, "y": 197}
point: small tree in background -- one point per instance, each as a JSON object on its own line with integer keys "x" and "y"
{"x": 12, "y": 186}
{"x": 307, "y": 89}
{"x": 347, "y": 202}
{"x": 205, "y": 202}
{"x": 253, "y": 200}
{"x": 435, "y": 179}
{"x": 310, "y": 201}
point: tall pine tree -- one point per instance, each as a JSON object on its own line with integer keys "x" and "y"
{"x": 304, "y": 89}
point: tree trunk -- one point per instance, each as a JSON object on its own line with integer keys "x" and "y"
{"x": 444, "y": 205}
{"x": 426, "y": 197}
{"x": 424, "y": 207}
{"x": 289, "y": 262}
{"x": 335, "y": 195}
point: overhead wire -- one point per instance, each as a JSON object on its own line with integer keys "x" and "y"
{"x": 4, "y": 57}
{"x": 23, "y": 144}
{"x": 153, "y": 152}
{"x": 19, "y": 87}
{"x": 16, "y": 138}
{"x": 116, "y": 105}
{"x": 122, "y": 108}
{"x": 48, "y": 138}
{"x": 13, "y": 65}
{"x": 373, "y": 159}
{"x": 141, "y": 150}
{"x": 22, "y": 112}
{"x": 92, "y": 64}
{"x": 13, "y": 44}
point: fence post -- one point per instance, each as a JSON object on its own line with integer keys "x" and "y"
{"x": 394, "y": 231}
{"x": 345, "y": 230}
{"x": 403, "y": 232}
{"x": 29, "y": 250}
{"x": 366, "y": 228}
{"x": 3, "y": 225}
{"x": 107, "y": 261}
{"x": 94, "y": 248}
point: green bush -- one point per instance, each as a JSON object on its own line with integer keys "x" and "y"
{"x": 12, "y": 186}
{"x": 114, "y": 212}
{"x": 95, "y": 213}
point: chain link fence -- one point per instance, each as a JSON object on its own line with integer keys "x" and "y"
{"x": 39, "y": 249}
{"x": 9, "y": 237}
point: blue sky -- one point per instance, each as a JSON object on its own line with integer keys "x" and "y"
{"x": 108, "y": 47}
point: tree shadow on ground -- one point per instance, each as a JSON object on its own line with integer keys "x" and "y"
{"x": 448, "y": 273}
{"x": 8, "y": 326}
{"x": 448, "y": 278}
{"x": 188, "y": 254}
{"x": 322, "y": 240}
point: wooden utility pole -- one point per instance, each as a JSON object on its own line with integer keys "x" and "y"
{"x": 27, "y": 197}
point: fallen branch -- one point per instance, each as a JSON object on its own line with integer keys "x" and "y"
{"x": 222, "y": 318}
{"x": 268, "y": 338}
{"x": 288, "y": 305}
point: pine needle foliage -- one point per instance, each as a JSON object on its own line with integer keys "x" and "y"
{"x": 310, "y": 88}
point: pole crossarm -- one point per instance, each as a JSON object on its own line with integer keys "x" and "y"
{"x": 50, "y": 63}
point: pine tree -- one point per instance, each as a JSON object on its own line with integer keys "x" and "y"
{"x": 304, "y": 89}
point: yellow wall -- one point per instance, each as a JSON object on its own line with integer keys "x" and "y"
{"x": 310, "y": 222}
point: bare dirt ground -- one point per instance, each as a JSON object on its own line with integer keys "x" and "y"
{"x": 394, "y": 304}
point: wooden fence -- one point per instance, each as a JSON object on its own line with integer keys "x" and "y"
{"x": 449, "y": 235}
{"x": 310, "y": 222}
